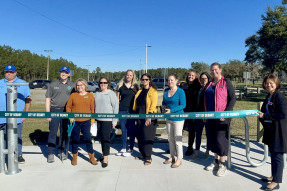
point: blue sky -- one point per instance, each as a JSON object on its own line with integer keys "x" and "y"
{"x": 111, "y": 34}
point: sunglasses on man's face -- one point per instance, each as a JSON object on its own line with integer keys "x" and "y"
{"x": 10, "y": 72}
{"x": 145, "y": 79}
{"x": 103, "y": 82}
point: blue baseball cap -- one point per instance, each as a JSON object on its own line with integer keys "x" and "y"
{"x": 65, "y": 68}
{"x": 10, "y": 67}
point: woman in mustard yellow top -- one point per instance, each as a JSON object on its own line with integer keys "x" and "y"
{"x": 145, "y": 102}
{"x": 81, "y": 102}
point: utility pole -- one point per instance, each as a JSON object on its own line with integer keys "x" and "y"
{"x": 88, "y": 72}
{"x": 48, "y": 66}
{"x": 146, "y": 46}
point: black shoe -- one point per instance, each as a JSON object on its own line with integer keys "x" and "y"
{"x": 21, "y": 160}
{"x": 101, "y": 158}
{"x": 265, "y": 180}
{"x": 270, "y": 189}
{"x": 189, "y": 151}
{"x": 104, "y": 165}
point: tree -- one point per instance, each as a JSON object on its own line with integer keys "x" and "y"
{"x": 269, "y": 44}
{"x": 200, "y": 67}
{"x": 234, "y": 69}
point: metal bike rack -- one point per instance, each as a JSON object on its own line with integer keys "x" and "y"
{"x": 247, "y": 148}
{"x": 12, "y": 137}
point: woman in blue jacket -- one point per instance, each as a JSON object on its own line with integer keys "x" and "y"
{"x": 174, "y": 102}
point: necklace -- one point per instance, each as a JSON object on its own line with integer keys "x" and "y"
{"x": 171, "y": 92}
{"x": 128, "y": 85}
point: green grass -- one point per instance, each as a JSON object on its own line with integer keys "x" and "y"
{"x": 36, "y": 131}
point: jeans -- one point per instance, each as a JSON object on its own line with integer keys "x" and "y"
{"x": 53, "y": 127}
{"x": 85, "y": 128}
{"x": 132, "y": 132}
{"x": 19, "y": 135}
{"x": 124, "y": 124}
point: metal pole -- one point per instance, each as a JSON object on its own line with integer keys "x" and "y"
{"x": 2, "y": 151}
{"x": 12, "y": 136}
{"x": 145, "y": 58}
{"x": 88, "y": 72}
{"x": 48, "y": 65}
{"x": 229, "y": 150}
{"x": 146, "y": 46}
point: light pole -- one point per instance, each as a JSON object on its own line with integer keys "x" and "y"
{"x": 48, "y": 62}
{"x": 146, "y": 46}
{"x": 88, "y": 72}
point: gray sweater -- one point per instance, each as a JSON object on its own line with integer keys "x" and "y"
{"x": 107, "y": 103}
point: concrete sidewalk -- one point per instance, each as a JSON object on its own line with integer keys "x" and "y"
{"x": 125, "y": 173}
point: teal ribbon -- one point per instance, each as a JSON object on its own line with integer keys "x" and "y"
{"x": 189, "y": 115}
{"x": 70, "y": 128}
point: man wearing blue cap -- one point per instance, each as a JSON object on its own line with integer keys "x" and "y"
{"x": 23, "y": 102}
{"x": 57, "y": 95}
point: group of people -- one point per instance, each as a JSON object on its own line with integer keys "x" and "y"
{"x": 199, "y": 93}
{"x": 204, "y": 92}
{"x": 64, "y": 96}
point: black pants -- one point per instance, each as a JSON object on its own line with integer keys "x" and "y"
{"x": 105, "y": 128}
{"x": 277, "y": 165}
{"x": 218, "y": 137}
{"x": 54, "y": 125}
{"x": 191, "y": 132}
{"x": 146, "y": 135}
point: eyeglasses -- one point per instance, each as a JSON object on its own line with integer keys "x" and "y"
{"x": 103, "y": 82}
{"x": 10, "y": 72}
{"x": 145, "y": 79}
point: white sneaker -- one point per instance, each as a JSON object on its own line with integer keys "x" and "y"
{"x": 128, "y": 153}
{"x": 221, "y": 170}
{"x": 213, "y": 166}
{"x": 121, "y": 152}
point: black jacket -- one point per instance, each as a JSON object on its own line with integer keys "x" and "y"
{"x": 275, "y": 133}
{"x": 191, "y": 94}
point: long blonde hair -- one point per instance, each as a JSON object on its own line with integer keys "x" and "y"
{"x": 123, "y": 80}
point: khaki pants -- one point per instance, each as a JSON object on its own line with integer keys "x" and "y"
{"x": 174, "y": 130}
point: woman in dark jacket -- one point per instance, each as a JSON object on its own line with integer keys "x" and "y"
{"x": 191, "y": 88}
{"x": 200, "y": 123}
{"x": 273, "y": 117}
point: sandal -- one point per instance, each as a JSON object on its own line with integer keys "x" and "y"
{"x": 147, "y": 162}
{"x": 139, "y": 158}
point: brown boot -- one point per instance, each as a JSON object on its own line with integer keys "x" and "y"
{"x": 92, "y": 159}
{"x": 74, "y": 160}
